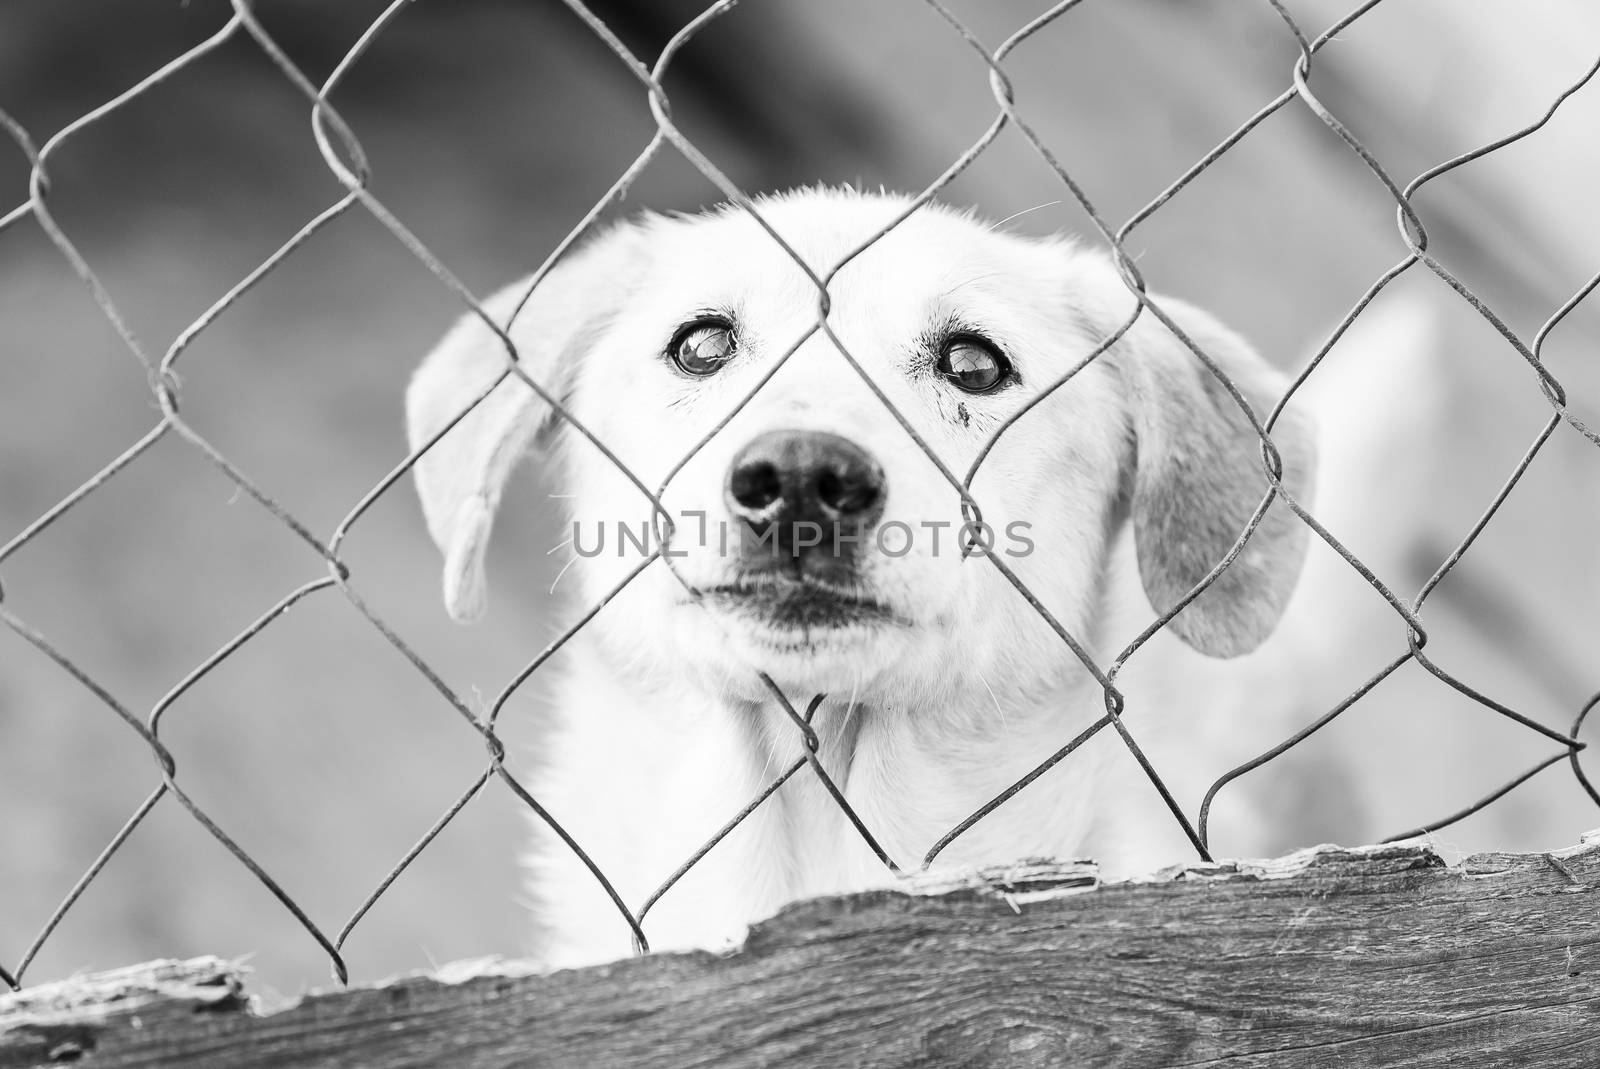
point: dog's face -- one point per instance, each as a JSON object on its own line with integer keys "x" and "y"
{"x": 812, "y": 536}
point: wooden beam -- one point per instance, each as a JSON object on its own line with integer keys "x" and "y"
{"x": 1329, "y": 957}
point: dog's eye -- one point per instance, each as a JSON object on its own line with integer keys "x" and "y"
{"x": 702, "y": 347}
{"x": 973, "y": 364}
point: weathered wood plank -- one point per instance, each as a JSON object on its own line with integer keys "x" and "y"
{"x": 1331, "y": 957}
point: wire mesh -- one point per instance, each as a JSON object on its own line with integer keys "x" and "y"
{"x": 341, "y": 151}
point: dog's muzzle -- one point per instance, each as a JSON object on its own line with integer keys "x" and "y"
{"x": 809, "y": 502}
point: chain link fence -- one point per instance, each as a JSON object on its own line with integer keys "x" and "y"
{"x": 340, "y": 148}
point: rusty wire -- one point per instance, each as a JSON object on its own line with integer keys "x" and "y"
{"x": 341, "y": 152}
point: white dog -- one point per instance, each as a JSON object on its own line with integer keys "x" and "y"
{"x": 815, "y": 545}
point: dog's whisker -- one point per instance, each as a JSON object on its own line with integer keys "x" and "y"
{"x": 971, "y": 280}
{"x": 563, "y": 544}
{"x": 852, "y": 709}
{"x": 992, "y": 697}
{"x": 570, "y": 562}
{"x": 769, "y": 766}
{"x": 1025, "y": 211}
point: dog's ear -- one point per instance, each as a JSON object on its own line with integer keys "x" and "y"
{"x": 461, "y": 477}
{"x": 1197, "y": 476}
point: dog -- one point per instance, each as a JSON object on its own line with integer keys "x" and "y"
{"x": 812, "y": 584}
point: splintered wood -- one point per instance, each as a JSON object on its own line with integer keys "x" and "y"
{"x": 1329, "y": 957}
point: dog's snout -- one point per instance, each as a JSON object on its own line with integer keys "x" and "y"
{"x": 797, "y": 477}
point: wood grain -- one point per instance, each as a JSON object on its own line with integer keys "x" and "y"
{"x": 1331, "y": 957}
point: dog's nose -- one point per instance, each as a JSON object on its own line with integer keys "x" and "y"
{"x": 792, "y": 478}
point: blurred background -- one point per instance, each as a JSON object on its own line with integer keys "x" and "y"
{"x": 491, "y": 127}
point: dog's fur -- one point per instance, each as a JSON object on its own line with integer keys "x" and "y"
{"x": 958, "y": 687}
